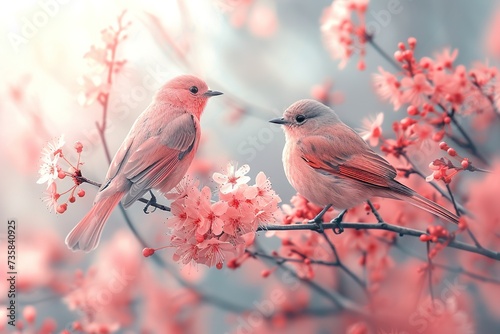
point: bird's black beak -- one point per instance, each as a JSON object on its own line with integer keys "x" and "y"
{"x": 279, "y": 120}
{"x": 210, "y": 93}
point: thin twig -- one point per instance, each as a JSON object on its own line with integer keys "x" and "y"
{"x": 429, "y": 273}
{"x": 341, "y": 265}
{"x": 456, "y": 270}
{"x": 383, "y": 53}
{"x": 162, "y": 207}
{"x": 375, "y": 212}
{"x": 338, "y": 300}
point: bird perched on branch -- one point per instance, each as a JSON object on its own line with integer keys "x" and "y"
{"x": 331, "y": 165}
{"x": 155, "y": 154}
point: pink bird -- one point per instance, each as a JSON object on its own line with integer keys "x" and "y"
{"x": 155, "y": 154}
{"x": 331, "y": 165}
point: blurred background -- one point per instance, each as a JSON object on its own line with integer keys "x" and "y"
{"x": 262, "y": 54}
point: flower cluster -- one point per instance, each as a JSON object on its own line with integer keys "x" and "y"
{"x": 209, "y": 232}
{"x": 342, "y": 34}
{"x": 101, "y": 59}
{"x": 51, "y": 170}
{"x": 444, "y": 169}
{"x": 436, "y": 89}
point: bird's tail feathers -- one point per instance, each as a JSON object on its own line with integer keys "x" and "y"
{"x": 428, "y": 205}
{"x": 86, "y": 234}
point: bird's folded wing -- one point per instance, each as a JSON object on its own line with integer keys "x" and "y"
{"x": 342, "y": 156}
{"x": 158, "y": 156}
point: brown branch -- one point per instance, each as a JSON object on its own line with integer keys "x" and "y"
{"x": 341, "y": 265}
{"x": 386, "y": 227}
{"x": 162, "y": 207}
{"x": 471, "y": 235}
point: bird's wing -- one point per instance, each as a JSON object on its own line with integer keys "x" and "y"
{"x": 119, "y": 158}
{"x": 346, "y": 155}
{"x": 158, "y": 156}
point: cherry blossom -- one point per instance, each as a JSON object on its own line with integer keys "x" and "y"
{"x": 372, "y": 129}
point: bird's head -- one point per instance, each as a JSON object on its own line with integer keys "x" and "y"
{"x": 186, "y": 91}
{"x": 305, "y": 117}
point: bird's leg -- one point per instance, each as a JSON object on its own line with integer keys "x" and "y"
{"x": 151, "y": 201}
{"x": 318, "y": 220}
{"x": 337, "y": 221}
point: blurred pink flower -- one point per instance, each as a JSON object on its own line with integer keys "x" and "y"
{"x": 103, "y": 295}
{"x": 372, "y": 129}
{"x": 325, "y": 94}
{"x": 51, "y": 196}
{"x": 343, "y": 35}
{"x": 446, "y": 57}
{"x": 492, "y": 33}
{"x": 416, "y": 89}
{"x": 262, "y": 21}
{"x": 387, "y": 87}
{"x": 92, "y": 87}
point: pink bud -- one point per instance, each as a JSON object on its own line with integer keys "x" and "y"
{"x": 62, "y": 208}
{"x": 465, "y": 163}
{"x": 147, "y": 252}
{"x": 81, "y": 193}
{"x": 78, "y": 147}
{"x": 361, "y": 65}
{"x": 412, "y": 110}
{"x": 29, "y": 313}
{"x": 398, "y": 55}
{"x": 412, "y": 42}
{"x": 265, "y": 273}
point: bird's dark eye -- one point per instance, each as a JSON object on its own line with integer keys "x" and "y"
{"x": 300, "y": 118}
{"x": 193, "y": 89}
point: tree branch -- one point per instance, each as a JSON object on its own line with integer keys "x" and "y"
{"x": 386, "y": 227}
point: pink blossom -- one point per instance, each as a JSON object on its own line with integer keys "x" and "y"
{"x": 387, "y": 87}
{"x": 213, "y": 252}
{"x": 493, "y": 31}
{"x": 51, "y": 196}
{"x": 180, "y": 190}
{"x": 262, "y": 21}
{"x": 212, "y": 214}
{"x": 204, "y": 231}
{"x": 341, "y": 33}
{"x": 372, "y": 129}
{"x": 233, "y": 178}
{"x": 325, "y": 94}
{"x": 49, "y": 168}
{"x": 238, "y": 222}
{"x": 417, "y": 89}
{"x": 92, "y": 86}
{"x": 446, "y": 58}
